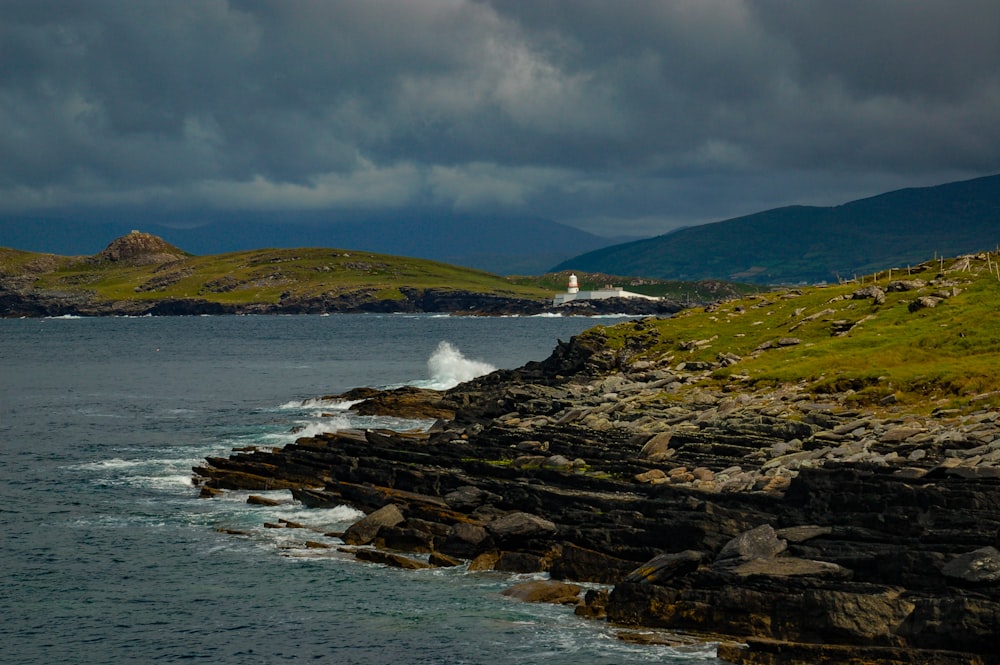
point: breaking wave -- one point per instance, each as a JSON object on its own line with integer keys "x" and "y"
{"x": 448, "y": 368}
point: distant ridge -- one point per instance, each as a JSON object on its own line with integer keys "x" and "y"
{"x": 809, "y": 244}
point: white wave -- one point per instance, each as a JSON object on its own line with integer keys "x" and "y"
{"x": 448, "y": 368}
{"x": 311, "y": 428}
{"x": 321, "y": 403}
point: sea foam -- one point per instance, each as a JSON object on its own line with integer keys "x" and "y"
{"x": 448, "y": 368}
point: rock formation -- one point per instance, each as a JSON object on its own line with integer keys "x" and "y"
{"x": 791, "y": 529}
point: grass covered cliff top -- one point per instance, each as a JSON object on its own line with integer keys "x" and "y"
{"x": 927, "y": 336}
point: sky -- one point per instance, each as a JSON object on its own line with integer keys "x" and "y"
{"x": 618, "y": 117}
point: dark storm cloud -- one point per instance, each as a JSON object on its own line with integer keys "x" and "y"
{"x": 618, "y": 117}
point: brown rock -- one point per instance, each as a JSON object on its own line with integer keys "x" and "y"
{"x": 545, "y": 591}
{"x": 390, "y": 559}
{"x": 255, "y": 500}
{"x": 364, "y": 531}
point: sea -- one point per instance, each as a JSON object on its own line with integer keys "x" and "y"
{"x": 108, "y": 555}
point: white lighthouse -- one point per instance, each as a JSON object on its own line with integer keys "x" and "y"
{"x": 573, "y": 292}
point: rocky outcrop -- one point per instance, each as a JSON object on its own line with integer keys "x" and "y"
{"x": 137, "y": 248}
{"x": 796, "y": 528}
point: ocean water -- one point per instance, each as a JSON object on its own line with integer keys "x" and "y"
{"x": 108, "y": 555}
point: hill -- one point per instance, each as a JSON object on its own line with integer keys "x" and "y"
{"x": 806, "y": 244}
{"x": 140, "y": 273}
{"x": 505, "y": 246}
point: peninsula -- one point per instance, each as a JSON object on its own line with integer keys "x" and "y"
{"x": 803, "y": 476}
{"x": 141, "y": 274}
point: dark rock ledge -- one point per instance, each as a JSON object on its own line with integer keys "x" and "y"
{"x": 786, "y": 529}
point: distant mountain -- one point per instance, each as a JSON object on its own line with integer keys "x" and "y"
{"x": 505, "y": 246}
{"x": 807, "y": 244}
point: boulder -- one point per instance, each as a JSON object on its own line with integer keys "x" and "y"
{"x": 652, "y": 476}
{"x": 390, "y": 559}
{"x": 544, "y": 591}
{"x": 906, "y": 285}
{"x": 758, "y": 543}
{"x": 980, "y": 566}
{"x": 924, "y": 302}
{"x": 658, "y": 443}
{"x": 364, "y": 531}
{"x": 870, "y": 292}
{"x": 466, "y": 541}
{"x": 520, "y": 526}
{"x": 664, "y": 567}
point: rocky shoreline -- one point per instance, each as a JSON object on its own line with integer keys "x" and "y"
{"x": 787, "y": 527}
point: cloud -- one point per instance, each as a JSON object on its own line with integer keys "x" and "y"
{"x": 618, "y": 117}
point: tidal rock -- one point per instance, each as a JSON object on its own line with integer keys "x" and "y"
{"x": 466, "y": 541}
{"x": 390, "y": 559}
{"x": 256, "y": 500}
{"x": 364, "y": 531}
{"x": 520, "y": 526}
{"x": 543, "y": 591}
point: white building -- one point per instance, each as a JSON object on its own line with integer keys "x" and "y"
{"x": 573, "y": 292}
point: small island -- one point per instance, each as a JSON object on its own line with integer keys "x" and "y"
{"x": 804, "y": 476}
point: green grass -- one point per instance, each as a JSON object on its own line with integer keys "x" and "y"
{"x": 950, "y": 352}
{"x": 259, "y": 276}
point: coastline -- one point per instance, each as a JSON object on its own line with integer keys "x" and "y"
{"x": 788, "y": 529}
{"x": 30, "y": 304}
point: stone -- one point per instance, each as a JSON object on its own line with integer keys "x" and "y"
{"x": 255, "y": 500}
{"x": 519, "y": 526}
{"x": 924, "y": 302}
{"x": 658, "y": 443}
{"x": 758, "y": 543}
{"x": 439, "y": 560}
{"x": 544, "y": 591}
{"x": 469, "y": 497}
{"x": 466, "y": 541}
{"x": 557, "y": 462}
{"x": 404, "y": 539}
{"x": 980, "y": 566}
{"x": 485, "y": 561}
{"x": 594, "y": 605}
{"x": 870, "y": 292}
{"x": 900, "y": 434}
{"x": 791, "y": 567}
{"x": 520, "y": 563}
{"x": 664, "y": 567}
{"x": 906, "y": 285}
{"x": 651, "y": 476}
{"x": 364, "y": 531}
{"x": 390, "y": 559}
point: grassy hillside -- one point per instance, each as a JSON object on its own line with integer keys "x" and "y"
{"x": 840, "y": 338}
{"x": 803, "y": 244}
{"x": 260, "y": 276}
